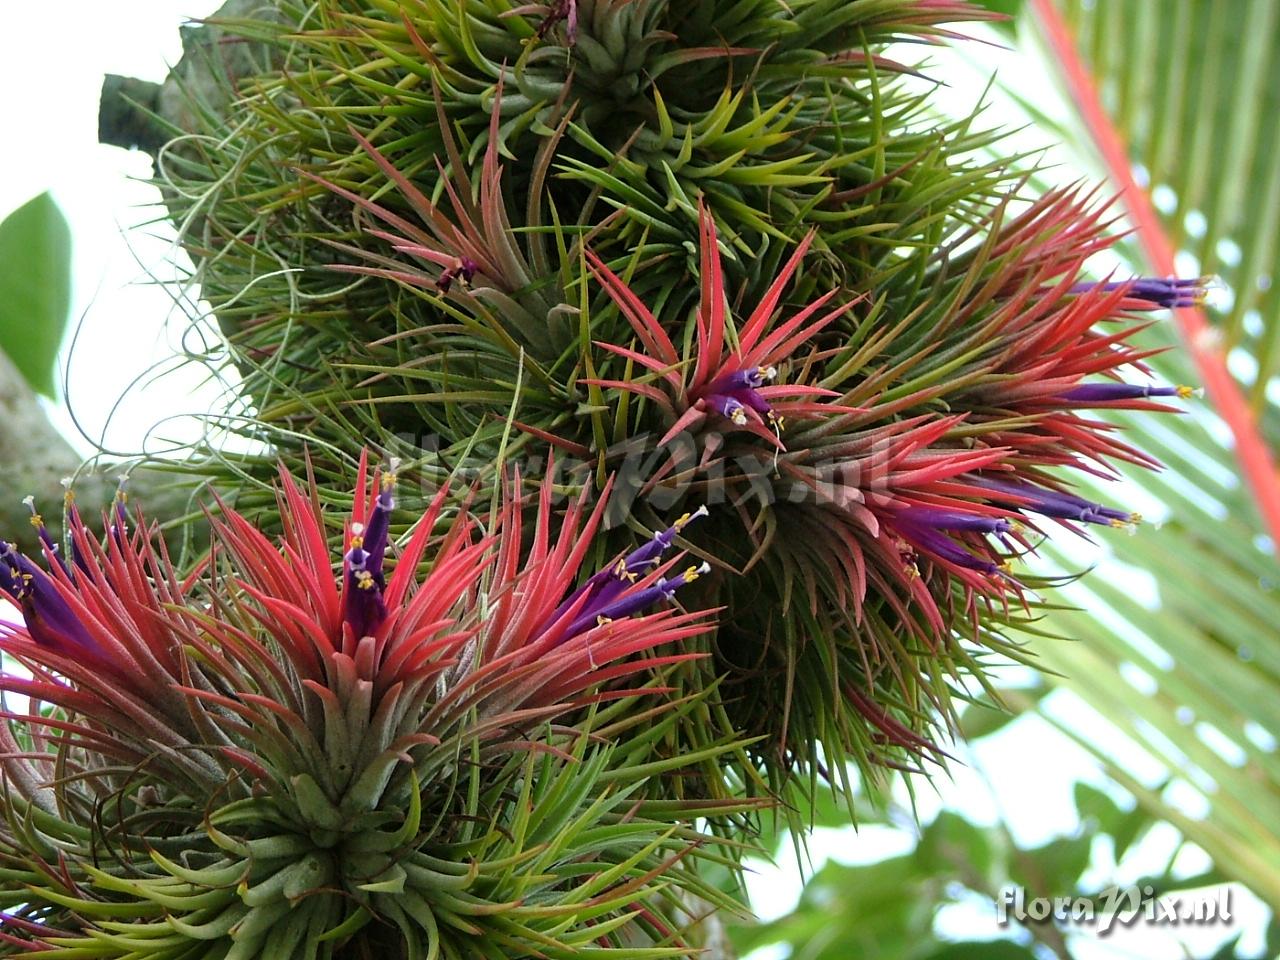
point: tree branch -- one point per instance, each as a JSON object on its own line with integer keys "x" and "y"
{"x": 126, "y": 111}
{"x": 137, "y": 113}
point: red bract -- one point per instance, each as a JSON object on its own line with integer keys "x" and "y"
{"x": 543, "y": 642}
{"x": 469, "y": 254}
{"x": 928, "y": 503}
{"x": 1049, "y": 331}
{"x": 271, "y": 636}
{"x": 894, "y": 496}
{"x": 381, "y": 745}
{"x": 729, "y": 384}
{"x": 477, "y": 239}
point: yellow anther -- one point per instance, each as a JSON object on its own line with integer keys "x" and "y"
{"x": 687, "y": 518}
{"x": 37, "y": 521}
{"x": 739, "y": 416}
{"x": 357, "y": 542}
{"x": 602, "y": 620}
{"x": 1185, "y": 392}
{"x": 693, "y": 573}
{"x": 389, "y": 474}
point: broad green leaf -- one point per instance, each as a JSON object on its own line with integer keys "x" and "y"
{"x": 1054, "y": 868}
{"x": 981, "y": 717}
{"x": 955, "y": 843}
{"x": 35, "y": 289}
{"x": 1123, "y": 826}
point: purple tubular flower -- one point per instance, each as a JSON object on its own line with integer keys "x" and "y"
{"x": 566, "y": 10}
{"x": 365, "y": 609}
{"x": 1060, "y": 506}
{"x": 594, "y": 614}
{"x": 120, "y": 515}
{"x": 78, "y": 561}
{"x": 733, "y": 394}
{"x": 466, "y": 268}
{"x": 49, "y": 618}
{"x": 939, "y": 519}
{"x": 650, "y": 555}
{"x": 606, "y": 586}
{"x": 1156, "y": 291}
{"x": 731, "y": 408}
{"x": 1108, "y": 392}
{"x": 932, "y": 541}
{"x": 12, "y": 579}
{"x": 378, "y": 528}
{"x": 743, "y": 380}
{"x": 42, "y": 532}
{"x": 571, "y": 22}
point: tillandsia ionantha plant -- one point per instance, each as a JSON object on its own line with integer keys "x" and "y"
{"x": 713, "y": 260}
{"x": 274, "y": 758}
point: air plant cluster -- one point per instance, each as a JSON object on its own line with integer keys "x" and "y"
{"x": 713, "y": 261}
{"x": 275, "y": 758}
{"x": 873, "y": 503}
{"x": 722, "y": 252}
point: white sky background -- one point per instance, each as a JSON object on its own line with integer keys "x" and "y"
{"x": 52, "y": 59}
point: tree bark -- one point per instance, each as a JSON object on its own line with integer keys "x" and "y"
{"x": 140, "y": 114}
